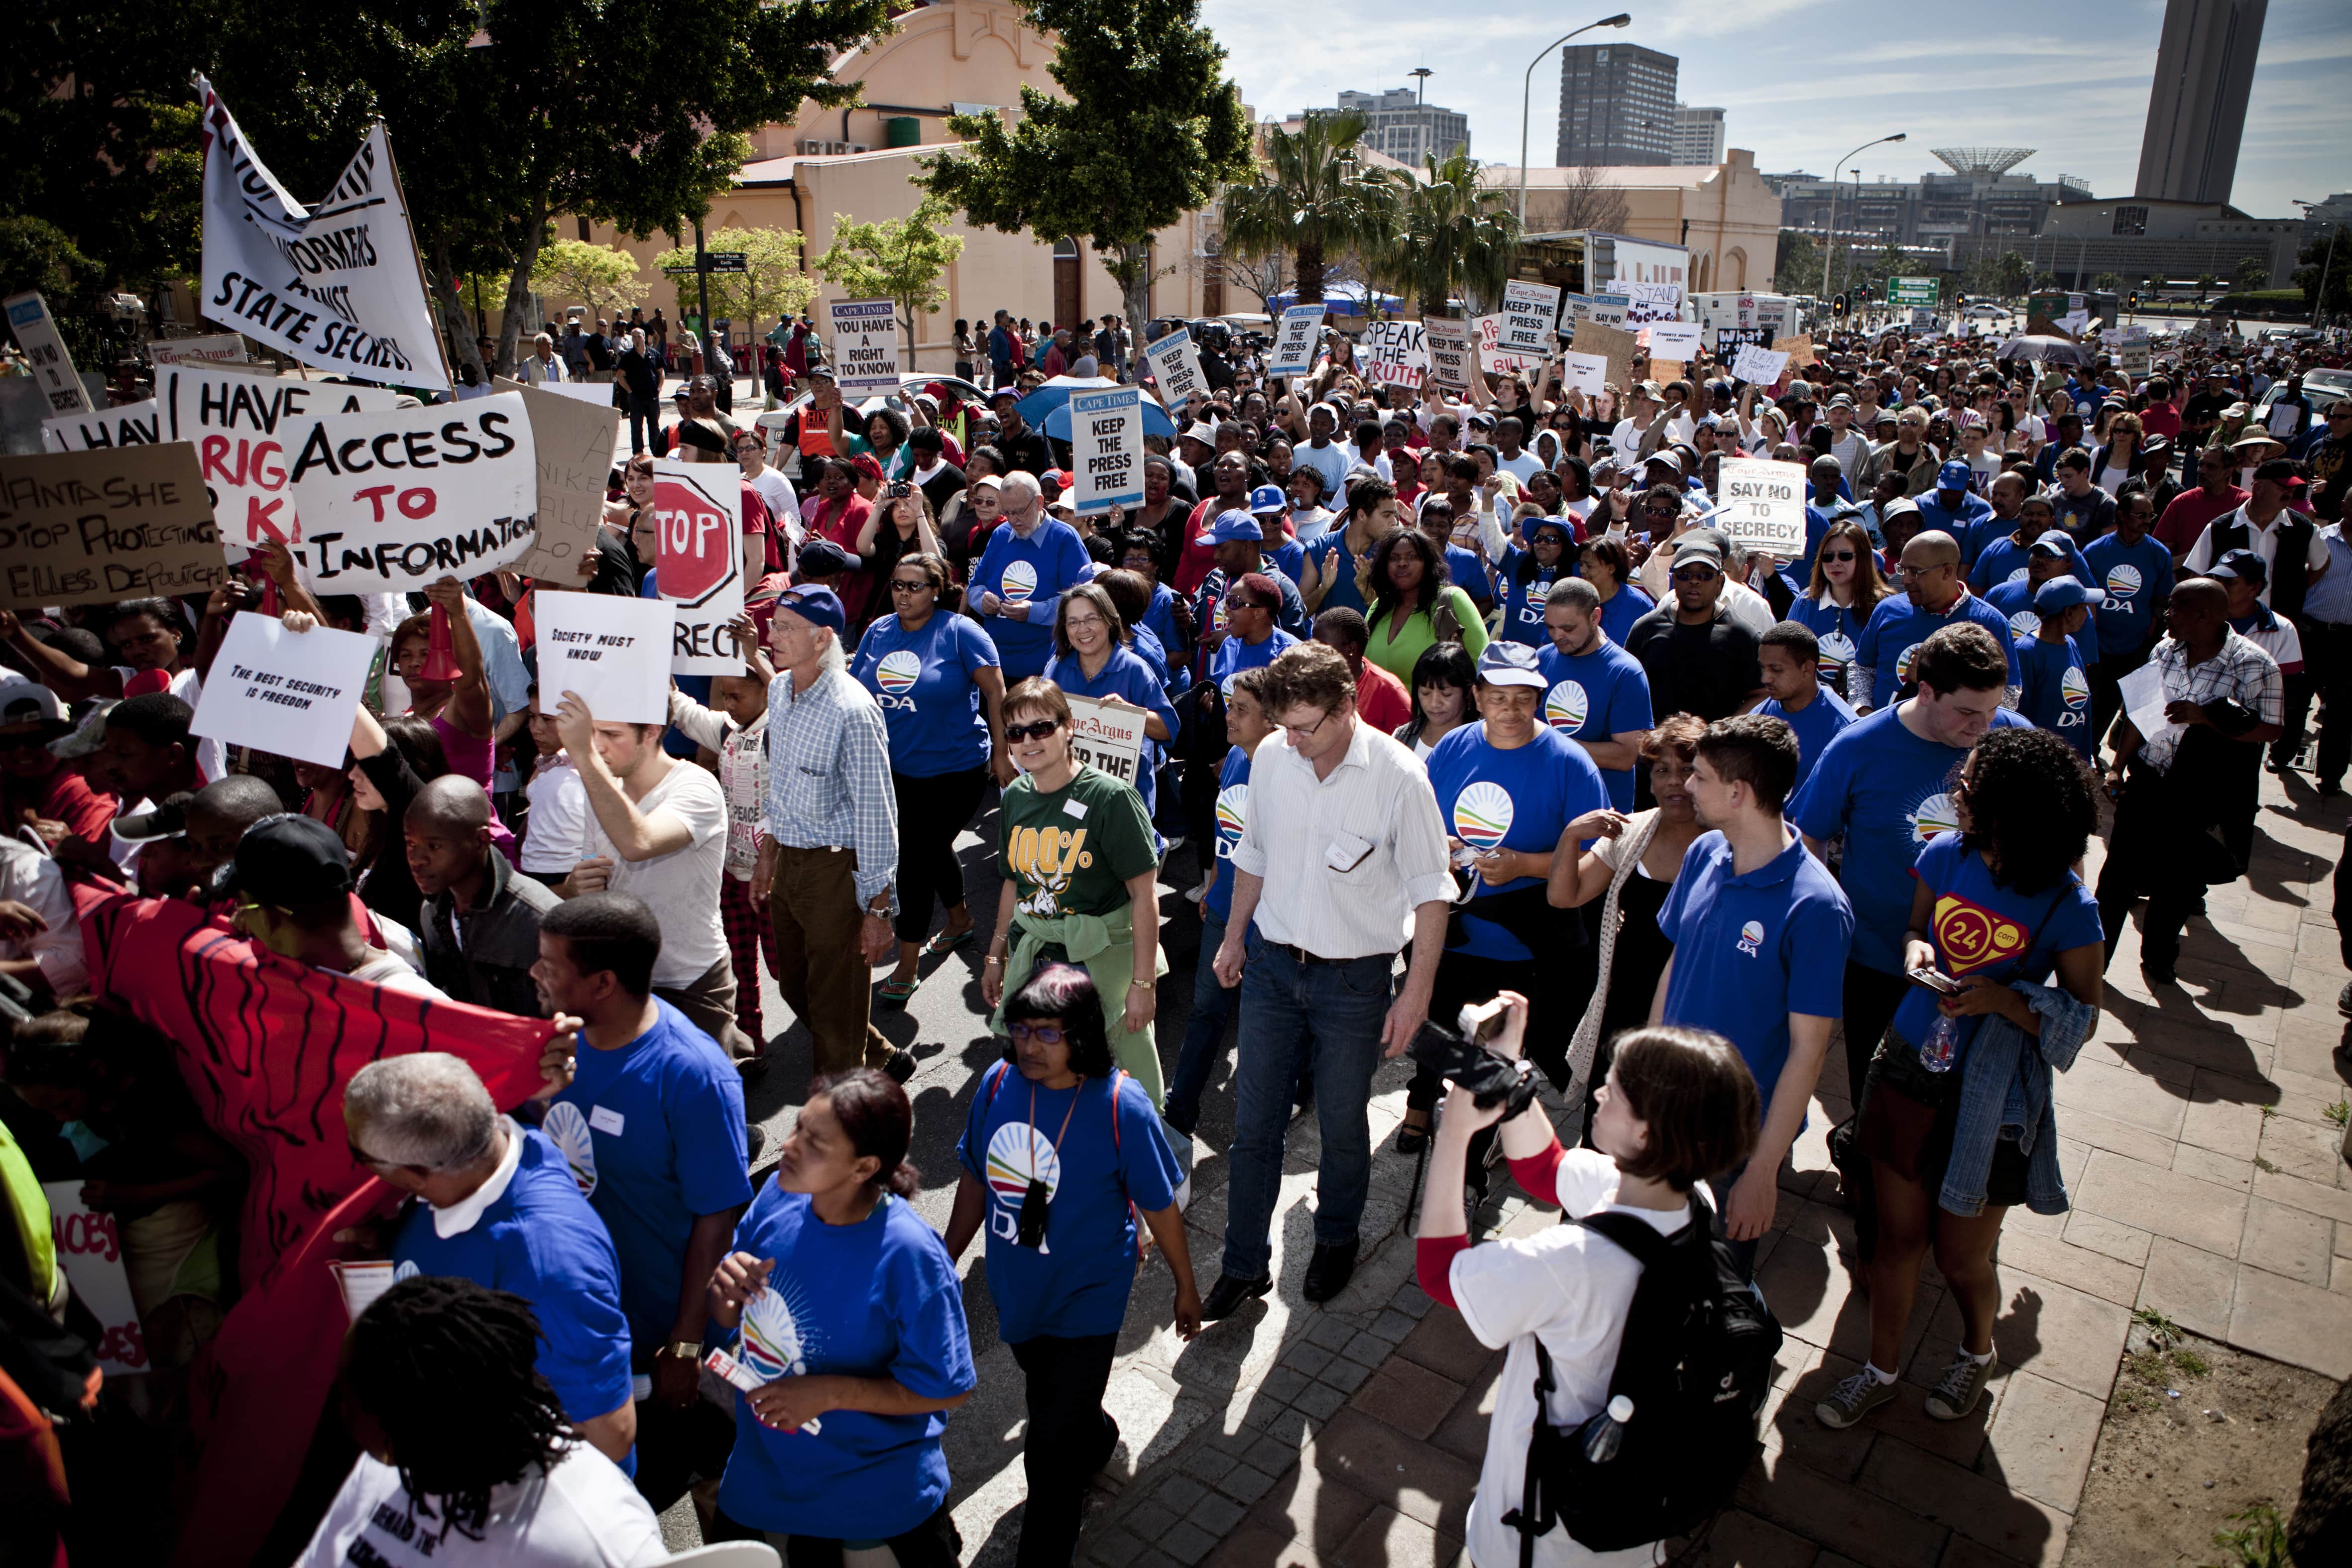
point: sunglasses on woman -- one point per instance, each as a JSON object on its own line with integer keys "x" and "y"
{"x": 1837, "y": 555}
{"x": 1037, "y": 731}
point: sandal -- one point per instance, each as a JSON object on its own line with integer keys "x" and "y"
{"x": 943, "y": 943}
{"x": 896, "y": 992}
{"x": 1412, "y": 1137}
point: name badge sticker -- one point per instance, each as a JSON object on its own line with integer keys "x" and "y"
{"x": 605, "y": 1121}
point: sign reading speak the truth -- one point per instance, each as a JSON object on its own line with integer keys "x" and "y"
{"x": 394, "y": 501}
{"x": 291, "y": 693}
{"x": 1393, "y": 353}
{"x": 865, "y": 345}
{"x": 1107, "y": 449}
{"x": 1111, "y": 739}
{"x": 89, "y": 527}
{"x": 1176, "y": 366}
{"x": 1763, "y": 505}
{"x": 699, "y": 508}
{"x": 613, "y": 651}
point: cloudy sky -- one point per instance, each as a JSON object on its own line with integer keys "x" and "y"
{"x": 2070, "y": 80}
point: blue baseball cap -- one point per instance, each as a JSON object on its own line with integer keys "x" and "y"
{"x": 2242, "y": 563}
{"x": 1270, "y": 498}
{"x": 817, "y": 605}
{"x": 2056, "y": 541}
{"x": 2059, "y": 595}
{"x": 1954, "y": 475}
{"x": 1511, "y": 664}
{"x": 1233, "y": 525}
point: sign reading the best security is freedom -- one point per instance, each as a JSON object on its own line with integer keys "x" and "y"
{"x": 392, "y": 501}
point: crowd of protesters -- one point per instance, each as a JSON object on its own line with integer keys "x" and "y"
{"x": 1445, "y": 697}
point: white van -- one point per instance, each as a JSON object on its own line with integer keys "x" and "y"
{"x": 1775, "y": 313}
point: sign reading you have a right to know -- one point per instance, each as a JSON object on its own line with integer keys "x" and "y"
{"x": 865, "y": 345}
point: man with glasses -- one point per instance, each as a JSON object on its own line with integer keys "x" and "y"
{"x": 1934, "y": 597}
{"x": 1342, "y": 847}
{"x": 1699, "y": 656}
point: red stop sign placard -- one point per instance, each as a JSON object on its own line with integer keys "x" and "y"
{"x": 697, "y": 541}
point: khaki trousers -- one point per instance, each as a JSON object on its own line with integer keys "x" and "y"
{"x": 824, "y": 975}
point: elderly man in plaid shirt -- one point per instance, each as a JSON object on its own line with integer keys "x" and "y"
{"x": 829, "y": 853}
{"x": 2185, "y": 799}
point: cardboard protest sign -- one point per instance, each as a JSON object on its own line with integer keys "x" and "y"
{"x": 291, "y": 693}
{"x": 1652, "y": 301}
{"x": 1763, "y": 505}
{"x": 1586, "y": 374}
{"x": 1111, "y": 738}
{"x": 246, "y": 429}
{"x": 1448, "y": 345}
{"x": 90, "y": 1251}
{"x": 572, "y": 440}
{"x": 133, "y": 425}
{"x": 1608, "y": 310}
{"x": 44, "y": 351}
{"x": 1492, "y": 356}
{"x": 1530, "y": 317}
{"x": 1613, "y": 344}
{"x": 392, "y": 501}
{"x": 1761, "y": 366}
{"x": 1666, "y": 373}
{"x": 1799, "y": 348}
{"x": 89, "y": 528}
{"x": 865, "y": 345}
{"x": 1176, "y": 366}
{"x": 613, "y": 652}
{"x": 338, "y": 285}
{"x": 1393, "y": 354}
{"x": 1676, "y": 340}
{"x": 1107, "y": 449}
{"x": 699, "y": 508}
{"x": 1295, "y": 340}
{"x": 218, "y": 348}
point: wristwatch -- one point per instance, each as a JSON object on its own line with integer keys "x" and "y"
{"x": 682, "y": 1350}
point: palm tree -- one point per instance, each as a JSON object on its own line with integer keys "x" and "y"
{"x": 1309, "y": 197}
{"x": 1451, "y": 235}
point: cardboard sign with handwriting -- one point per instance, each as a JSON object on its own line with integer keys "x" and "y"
{"x": 89, "y": 528}
{"x": 572, "y": 440}
{"x": 1799, "y": 348}
{"x": 1613, "y": 344}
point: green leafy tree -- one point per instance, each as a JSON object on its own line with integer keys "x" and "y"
{"x": 1452, "y": 234}
{"x": 2206, "y": 282}
{"x": 898, "y": 259}
{"x": 2108, "y": 281}
{"x": 2251, "y": 272}
{"x": 2316, "y": 258}
{"x": 603, "y": 278}
{"x": 1151, "y": 128}
{"x": 772, "y": 283}
{"x": 1311, "y": 196}
{"x": 1797, "y": 263}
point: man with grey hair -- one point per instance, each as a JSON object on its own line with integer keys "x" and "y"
{"x": 499, "y": 1204}
{"x": 542, "y": 366}
{"x": 1021, "y": 575}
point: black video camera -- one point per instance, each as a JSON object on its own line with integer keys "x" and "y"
{"x": 1467, "y": 1061}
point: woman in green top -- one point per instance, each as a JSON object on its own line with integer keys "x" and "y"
{"x": 1413, "y": 605}
{"x": 1081, "y": 868}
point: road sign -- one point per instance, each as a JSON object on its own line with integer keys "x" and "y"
{"x": 712, "y": 261}
{"x": 1913, "y": 290}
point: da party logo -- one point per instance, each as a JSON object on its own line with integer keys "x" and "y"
{"x": 1482, "y": 815}
{"x": 1751, "y": 936}
{"x": 2124, "y": 582}
{"x": 899, "y": 672}
{"x": 568, "y": 1129}
{"x": 1566, "y": 705}
{"x": 2025, "y": 626}
{"x": 1018, "y": 1154}
{"x": 2075, "y": 687}
{"x": 771, "y": 1337}
{"x": 1936, "y": 814}
{"x": 1902, "y": 664}
{"x": 1232, "y": 816}
{"x": 2019, "y": 575}
{"x": 1837, "y": 652}
{"x": 1020, "y": 583}
{"x": 1971, "y": 936}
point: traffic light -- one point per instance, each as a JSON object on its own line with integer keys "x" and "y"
{"x": 2135, "y": 299}
{"x": 1838, "y": 307}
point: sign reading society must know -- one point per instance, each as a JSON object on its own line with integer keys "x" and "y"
{"x": 89, "y": 528}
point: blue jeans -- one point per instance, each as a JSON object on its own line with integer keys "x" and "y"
{"x": 1204, "y": 1032}
{"x": 1329, "y": 1014}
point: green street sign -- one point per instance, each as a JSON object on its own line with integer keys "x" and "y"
{"x": 1913, "y": 290}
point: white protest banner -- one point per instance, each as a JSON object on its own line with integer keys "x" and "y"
{"x": 865, "y": 345}
{"x": 1676, "y": 340}
{"x": 1492, "y": 356}
{"x": 1586, "y": 374}
{"x": 1295, "y": 340}
{"x": 89, "y": 527}
{"x": 1763, "y": 505}
{"x": 133, "y": 425}
{"x": 1530, "y": 317}
{"x": 1111, "y": 739}
{"x": 394, "y": 501}
{"x": 1652, "y": 301}
{"x": 44, "y": 351}
{"x": 1759, "y": 367}
{"x": 1107, "y": 449}
{"x": 699, "y": 508}
{"x": 1393, "y": 353}
{"x": 219, "y": 348}
{"x": 1608, "y": 309}
{"x": 2073, "y": 321}
{"x": 246, "y": 428}
{"x": 2284, "y": 418}
{"x": 1176, "y": 366}
{"x": 338, "y": 285}
{"x": 613, "y": 652}
{"x": 290, "y": 693}
{"x": 1448, "y": 344}
{"x": 90, "y": 1251}
{"x": 571, "y": 441}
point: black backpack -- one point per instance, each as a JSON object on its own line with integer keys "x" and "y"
{"x": 1696, "y": 1362}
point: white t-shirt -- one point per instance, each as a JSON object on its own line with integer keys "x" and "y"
{"x": 583, "y": 1514}
{"x": 682, "y": 887}
{"x": 558, "y": 825}
{"x": 1522, "y": 467}
{"x": 1572, "y": 1288}
{"x": 784, "y": 503}
{"x": 393, "y": 972}
{"x": 212, "y": 756}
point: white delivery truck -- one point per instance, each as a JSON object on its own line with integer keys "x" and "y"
{"x": 1772, "y": 313}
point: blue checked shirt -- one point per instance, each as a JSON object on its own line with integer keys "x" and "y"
{"x": 829, "y": 778}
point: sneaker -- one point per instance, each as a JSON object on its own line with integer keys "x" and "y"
{"x": 1963, "y": 1384}
{"x": 2344, "y": 1000}
{"x": 1853, "y": 1399}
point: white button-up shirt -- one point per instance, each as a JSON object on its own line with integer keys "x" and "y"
{"x": 1377, "y": 804}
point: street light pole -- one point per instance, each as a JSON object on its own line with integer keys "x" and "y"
{"x": 1527, "y": 97}
{"x": 1829, "y": 246}
{"x": 2319, "y": 300}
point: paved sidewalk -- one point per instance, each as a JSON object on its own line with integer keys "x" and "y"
{"x": 2207, "y": 1185}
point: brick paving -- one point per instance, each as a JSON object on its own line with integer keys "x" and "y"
{"x": 2208, "y": 1184}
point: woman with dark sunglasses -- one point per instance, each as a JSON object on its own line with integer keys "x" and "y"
{"x": 1060, "y": 1152}
{"x": 1836, "y": 604}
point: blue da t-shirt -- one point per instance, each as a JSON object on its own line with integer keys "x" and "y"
{"x": 877, "y": 1298}
{"x": 2015, "y": 599}
{"x": 1032, "y": 571}
{"x": 2126, "y": 582}
{"x": 1232, "y": 816}
{"x": 1521, "y": 799}
{"x": 1618, "y": 614}
{"x": 654, "y": 1134}
{"x": 2003, "y": 560}
{"x": 1077, "y": 1283}
{"x": 1126, "y": 675}
{"x": 2056, "y": 693}
{"x": 540, "y": 1239}
{"x": 1343, "y": 591}
{"x": 1751, "y": 950}
{"x": 1980, "y": 928}
{"x": 1593, "y": 696}
{"x": 1817, "y": 723}
{"x": 1523, "y": 602}
{"x": 1838, "y": 629}
{"x": 1468, "y": 572}
{"x": 924, "y": 683}
{"x": 1889, "y": 791}
{"x": 1897, "y": 629}
{"x": 1233, "y": 655}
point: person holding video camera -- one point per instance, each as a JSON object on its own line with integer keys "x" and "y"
{"x": 1679, "y": 1107}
